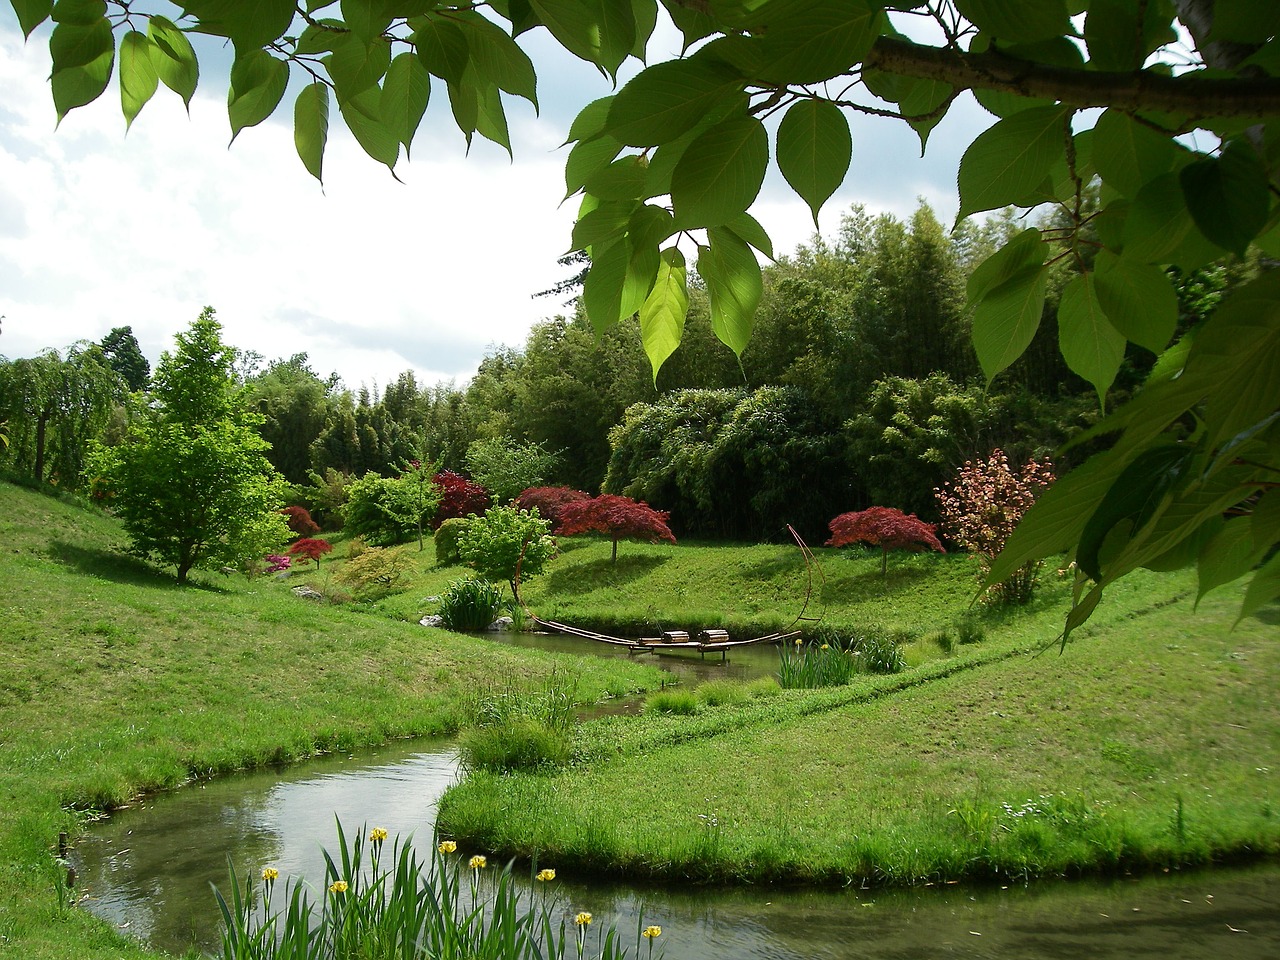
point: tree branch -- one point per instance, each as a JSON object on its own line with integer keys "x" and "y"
{"x": 1187, "y": 95}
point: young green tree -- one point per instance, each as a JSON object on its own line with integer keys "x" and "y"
{"x": 191, "y": 483}
{"x": 124, "y": 355}
{"x": 670, "y": 166}
{"x": 507, "y": 544}
{"x": 504, "y": 466}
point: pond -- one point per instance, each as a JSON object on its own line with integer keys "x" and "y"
{"x": 148, "y": 868}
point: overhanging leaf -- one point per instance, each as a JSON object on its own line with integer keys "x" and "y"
{"x": 1011, "y": 159}
{"x": 1006, "y": 319}
{"x": 138, "y": 77}
{"x": 814, "y": 151}
{"x": 665, "y": 100}
{"x": 173, "y": 58}
{"x": 734, "y": 286}
{"x": 1137, "y": 298}
{"x": 1228, "y": 196}
{"x": 257, "y": 84}
{"x": 405, "y": 94}
{"x": 663, "y": 314}
{"x": 1090, "y": 345}
{"x": 720, "y": 174}
{"x": 311, "y": 127}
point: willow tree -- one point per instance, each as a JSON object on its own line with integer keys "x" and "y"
{"x": 669, "y": 167}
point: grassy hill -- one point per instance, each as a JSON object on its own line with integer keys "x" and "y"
{"x": 1154, "y": 738}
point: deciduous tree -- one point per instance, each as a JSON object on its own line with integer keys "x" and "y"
{"x": 887, "y": 528}
{"x": 192, "y": 484}
{"x": 618, "y": 518}
{"x": 507, "y": 544}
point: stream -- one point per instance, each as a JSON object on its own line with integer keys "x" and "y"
{"x": 148, "y": 870}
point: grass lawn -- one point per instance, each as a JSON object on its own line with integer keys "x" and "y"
{"x": 1153, "y": 739}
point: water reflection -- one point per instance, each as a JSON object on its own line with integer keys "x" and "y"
{"x": 148, "y": 869}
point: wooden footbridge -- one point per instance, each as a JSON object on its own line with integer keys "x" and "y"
{"x": 707, "y": 641}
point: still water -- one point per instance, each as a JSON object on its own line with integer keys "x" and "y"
{"x": 148, "y": 869}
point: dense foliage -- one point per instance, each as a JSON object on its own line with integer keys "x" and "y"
{"x": 550, "y": 502}
{"x": 470, "y": 604}
{"x": 459, "y": 497}
{"x": 299, "y": 520}
{"x": 983, "y": 505}
{"x": 885, "y": 527}
{"x": 507, "y": 544}
{"x": 618, "y": 518}
{"x": 191, "y": 482}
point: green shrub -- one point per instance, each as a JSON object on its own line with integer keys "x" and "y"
{"x": 375, "y": 572}
{"x": 447, "y": 537}
{"x": 506, "y": 544}
{"x": 879, "y": 653}
{"x": 470, "y": 604}
{"x": 761, "y": 688}
{"x": 946, "y": 643}
{"x": 379, "y": 509}
{"x": 968, "y": 630}
{"x": 682, "y": 702}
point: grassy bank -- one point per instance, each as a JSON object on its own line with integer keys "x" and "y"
{"x": 114, "y": 682}
{"x": 1153, "y": 740}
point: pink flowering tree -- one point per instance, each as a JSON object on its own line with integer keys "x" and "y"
{"x": 981, "y": 507}
{"x": 885, "y": 527}
{"x": 619, "y": 518}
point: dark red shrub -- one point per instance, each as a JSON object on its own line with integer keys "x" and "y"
{"x": 311, "y": 549}
{"x": 887, "y": 528}
{"x": 300, "y": 522}
{"x": 616, "y": 517}
{"x": 459, "y": 497}
{"x": 550, "y": 502}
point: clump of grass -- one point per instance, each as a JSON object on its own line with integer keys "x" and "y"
{"x": 379, "y": 902}
{"x": 470, "y": 604}
{"x": 720, "y": 693}
{"x": 681, "y": 702}
{"x": 804, "y": 666}
{"x": 878, "y": 653}
{"x": 517, "y": 730}
{"x": 968, "y": 630}
{"x": 945, "y": 642}
{"x": 761, "y": 688}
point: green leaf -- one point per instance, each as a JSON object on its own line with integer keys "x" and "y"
{"x": 443, "y": 48}
{"x": 82, "y": 12}
{"x": 1011, "y": 159}
{"x": 623, "y": 179}
{"x": 1137, "y": 298}
{"x": 363, "y": 115}
{"x": 602, "y": 289}
{"x": 1006, "y": 319}
{"x": 319, "y": 37}
{"x": 138, "y": 77}
{"x": 602, "y": 32}
{"x": 665, "y": 100}
{"x": 464, "y": 101}
{"x": 497, "y": 59}
{"x": 1128, "y": 154}
{"x": 602, "y": 225}
{"x": 1055, "y": 521}
{"x": 75, "y": 86}
{"x": 77, "y": 45}
{"x": 1245, "y": 21}
{"x": 587, "y": 157}
{"x": 311, "y": 127}
{"x": 720, "y": 174}
{"x": 1112, "y": 33}
{"x": 814, "y": 151}
{"x": 31, "y": 13}
{"x": 734, "y": 286}
{"x": 257, "y": 85}
{"x": 1266, "y": 520}
{"x": 1090, "y": 345}
{"x": 590, "y": 121}
{"x": 662, "y": 315}
{"x": 693, "y": 24}
{"x": 366, "y": 20}
{"x": 748, "y": 228}
{"x": 1027, "y": 249}
{"x": 648, "y": 227}
{"x": 1018, "y": 21}
{"x": 173, "y": 58}
{"x": 405, "y": 94}
{"x": 1157, "y": 221}
{"x": 491, "y": 118}
{"x": 356, "y": 65}
{"x": 1263, "y": 588}
{"x": 645, "y": 13}
{"x": 1227, "y": 557}
{"x": 251, "y": 24}
{"x": 808, "y": 41}
{"x": 1228, "y": 196}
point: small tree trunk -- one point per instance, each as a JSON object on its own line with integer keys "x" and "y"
{"x": 614, "y": 558}
{"x": 884, "y": 561}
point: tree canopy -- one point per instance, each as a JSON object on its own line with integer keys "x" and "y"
{"x": 1094, "y": 101}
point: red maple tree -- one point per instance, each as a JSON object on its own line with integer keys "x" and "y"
{"x": 550, "y": 502}
{"x": 887, "y": 528}
{"x": 459, "y": 497}
{"x": 310, "y": 548}
{"x": 616, "y": 517}
{"x": 300, "y": 522}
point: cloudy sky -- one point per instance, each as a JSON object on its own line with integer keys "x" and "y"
{"x": 369, "y": 276}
